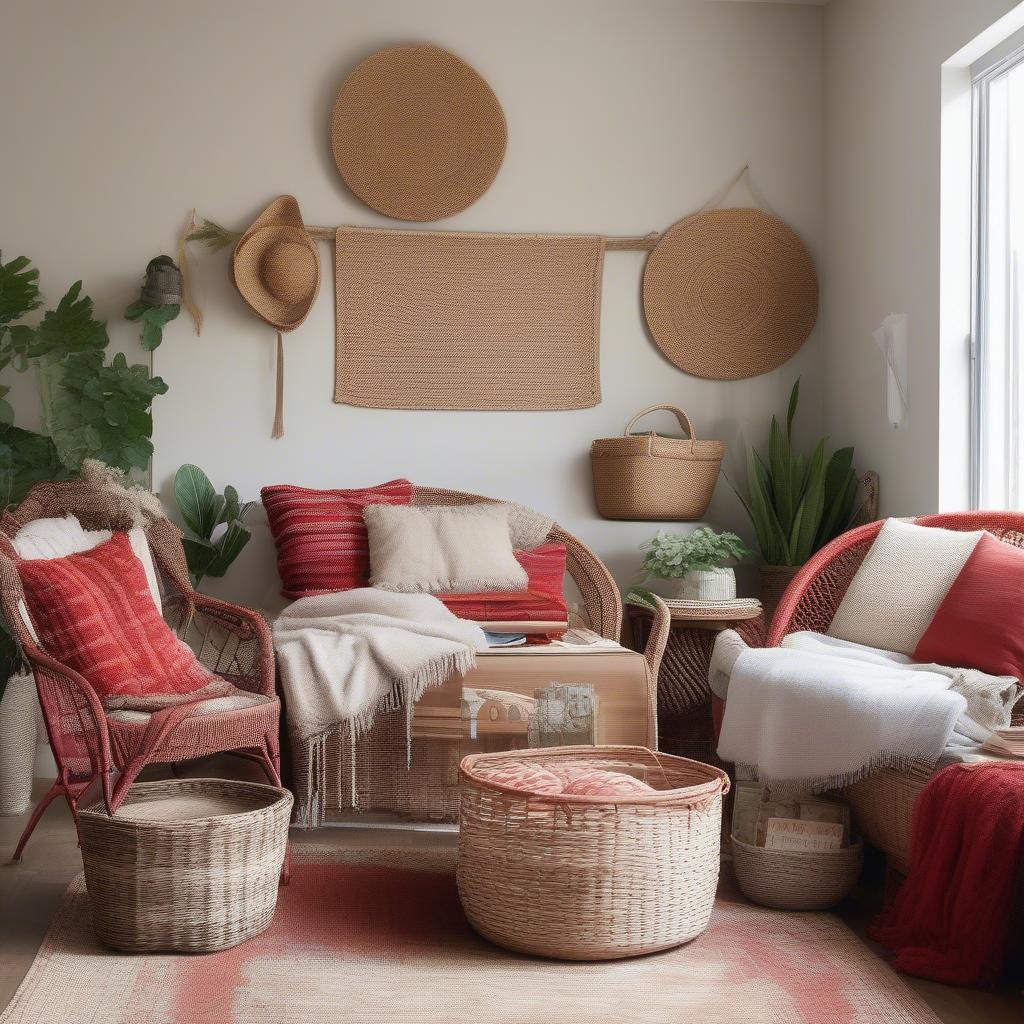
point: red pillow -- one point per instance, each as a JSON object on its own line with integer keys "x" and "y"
{"x": 94, "y": 612}
{"x": 542, "y": 601}
{"x": 980, "y": 623}
{"x": 320, "y": 535}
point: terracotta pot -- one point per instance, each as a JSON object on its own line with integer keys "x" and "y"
{"x": 19, "y": 717}
{"x": 774, "y": 581}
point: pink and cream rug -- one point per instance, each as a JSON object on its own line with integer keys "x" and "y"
{"x": 378, "y": 935}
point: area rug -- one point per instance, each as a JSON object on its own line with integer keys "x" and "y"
{"x": 378, "y": 935}
{"x": 466, "y": 320}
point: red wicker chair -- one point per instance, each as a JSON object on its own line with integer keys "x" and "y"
{"x": 883, "y": 802}
{"x": 234, "y": 642}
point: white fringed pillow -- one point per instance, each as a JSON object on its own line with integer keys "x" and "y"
{"x": 442, "y": 549}
{"x": 900, "y": 584}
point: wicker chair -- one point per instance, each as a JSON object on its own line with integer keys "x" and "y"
{"x": 430, "y": 790}
{"x": 883, "y": 802}
{"x": 234, "y": 642}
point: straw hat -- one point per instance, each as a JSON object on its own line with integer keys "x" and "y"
{"x": 417, "y": 134}
{"x": 276, "y": 265}
{"x": 730, "y": 293}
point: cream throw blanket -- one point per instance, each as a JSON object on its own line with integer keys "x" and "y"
{"x": 345, "y": 657}
{"x": 819, "y": 713}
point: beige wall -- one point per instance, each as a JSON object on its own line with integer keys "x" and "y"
{"x": 883, "y": 109}
{"x": 622, "y": 118}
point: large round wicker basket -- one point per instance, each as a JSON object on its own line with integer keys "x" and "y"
{"x": 796, "y": 879}
{"x": 590, "y": 877}
{"x": 187, "y": 865}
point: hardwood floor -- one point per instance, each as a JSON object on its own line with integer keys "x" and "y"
{"x": 31, "y": 891}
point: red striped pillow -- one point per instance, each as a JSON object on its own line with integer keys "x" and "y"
{"x": 93, "y": 611}
{"x": 542, "y": 600}
{"x": 320, "y": 535}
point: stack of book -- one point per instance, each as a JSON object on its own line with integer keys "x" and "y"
{"x": 1006, "y": 742}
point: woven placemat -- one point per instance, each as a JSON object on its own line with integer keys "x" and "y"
{"x": 417, "y": 134}
{"x": 460, "y": 320}
{"x": 730, "y": 293}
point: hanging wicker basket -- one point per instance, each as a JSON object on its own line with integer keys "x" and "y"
{"x": 648, "y": 476}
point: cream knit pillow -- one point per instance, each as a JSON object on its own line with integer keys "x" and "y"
{"x": 442, "y": 549}
{"x": 900, "y": 584}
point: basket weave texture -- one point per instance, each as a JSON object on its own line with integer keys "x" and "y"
{"x": 185, "y": 865}
{"x": 589, "y": 877}
{"x": 796, "y": 879}
{"x": 647, "y": 476}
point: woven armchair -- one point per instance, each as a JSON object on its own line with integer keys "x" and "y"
{"x": 883, "y": 802}
{"x": 234, "y": 642}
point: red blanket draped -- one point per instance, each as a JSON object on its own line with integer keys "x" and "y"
{"x": 949, "y": 921}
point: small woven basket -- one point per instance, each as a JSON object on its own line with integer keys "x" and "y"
{"x": 187, "y": 865}
{"x": 590, "y": 877}
{"x": 647, "y": 476}
{"x": 796, "y": 879}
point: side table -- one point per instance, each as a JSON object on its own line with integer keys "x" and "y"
{"x": 685, "y": 725}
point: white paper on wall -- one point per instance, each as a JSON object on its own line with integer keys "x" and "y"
{"x": 891, "y": 338}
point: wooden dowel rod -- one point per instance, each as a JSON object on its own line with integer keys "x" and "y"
{"x": 643, "y": 242}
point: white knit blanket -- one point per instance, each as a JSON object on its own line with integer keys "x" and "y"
{"x": 819, "y": 713}
{"x": 345, "y": 657}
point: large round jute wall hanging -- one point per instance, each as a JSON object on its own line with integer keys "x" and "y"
{"x": 730, "y": 293}
{"x": 417, "y": 134}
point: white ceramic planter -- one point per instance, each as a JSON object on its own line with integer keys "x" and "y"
{"x": 19, "y": 724}
{"x": 707, "y": 585}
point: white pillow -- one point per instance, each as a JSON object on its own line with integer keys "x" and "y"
{"x": 55, "y": 538}
{"x": 899, "y": 586}
{"x": 442, "y": 549}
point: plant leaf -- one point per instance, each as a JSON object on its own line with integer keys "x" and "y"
{"x": 229, "y": 547}
{"x": 197, "y": 500}
{"x": 837, "y": 497}
{"x": 71, "y": 327}
{"x": 794, "y": 398}
{"x": 807, "y": 521}
{"x": 770, "y": 538}
{"x": 152, "y": 335}
{"x": 19, "y": 289}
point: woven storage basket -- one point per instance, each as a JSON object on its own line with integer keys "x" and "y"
{"x": 19, "y": 729}
{"x": 647, "y": 476}
{"x": 795, "y": 879}
{"x": 187, "y": 865}
{"x": 590, "y": 877}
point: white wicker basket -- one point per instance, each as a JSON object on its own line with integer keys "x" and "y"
{"x": 795, "y": 879}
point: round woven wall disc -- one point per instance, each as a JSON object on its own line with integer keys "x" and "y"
{"x": 730, "y": 293}
{"x": 417, "y": 134}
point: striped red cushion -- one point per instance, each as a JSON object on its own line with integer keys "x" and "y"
{"x": 542, "y": 600}
{"x": 93, "y": 611}
{"x": 320, "y": 535}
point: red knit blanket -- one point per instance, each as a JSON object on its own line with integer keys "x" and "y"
{"x": 949, "y": 921}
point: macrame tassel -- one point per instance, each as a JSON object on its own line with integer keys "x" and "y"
{"x": 278, "y": 430}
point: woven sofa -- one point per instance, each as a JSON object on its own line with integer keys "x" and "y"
{"x": 883, "y": 802}
{"x": 373, "y": 777}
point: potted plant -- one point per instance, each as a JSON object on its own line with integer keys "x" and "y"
{"x": 797, "y": 503}
{"x": 695, "y": 562}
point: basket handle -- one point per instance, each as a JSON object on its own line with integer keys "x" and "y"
{"x": 684, "y": 420}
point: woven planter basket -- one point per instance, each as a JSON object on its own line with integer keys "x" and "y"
{"x": 795, "y": 879}
{"x": 187, "y": 865}
{"x": 774, "y": 581}
{"x": 647, "y": 476}
{"x": 591, "y": 877}
{"x": 19, "y": 728}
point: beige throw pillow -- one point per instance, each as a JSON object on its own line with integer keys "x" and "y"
{"x": 440, "y": 549}
{"x": 900, "y": 584}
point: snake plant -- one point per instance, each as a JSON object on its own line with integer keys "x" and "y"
{"x": 796, "y": 502}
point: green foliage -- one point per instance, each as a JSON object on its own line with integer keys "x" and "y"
{"x": 162, "y": 282}
{"x": 213, "y": 236}
{"x": 26, "y": 458}
{"x": 798, "y": 503}
{"x": 208, "y": 549}
{"x": 19, "y": 290}
{"x": 70, "y": 328}
{"x": 670, "y": 556}
{"x": 641, "y": 597}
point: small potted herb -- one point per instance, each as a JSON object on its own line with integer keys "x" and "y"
{"x": 696, "y": 562}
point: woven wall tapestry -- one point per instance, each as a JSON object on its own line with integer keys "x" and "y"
{"x": 459, "y": 320}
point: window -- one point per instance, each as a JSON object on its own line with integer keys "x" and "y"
{"x": 997, "y": 472}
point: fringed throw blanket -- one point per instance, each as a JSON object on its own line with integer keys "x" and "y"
{"x": 819, "y": 713}
{"x": 345, "y": 657}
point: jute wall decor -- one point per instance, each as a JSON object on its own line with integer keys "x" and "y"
{"x": 417, "y": 134}
{"x": 454, "y": 320}
{"x": 730, "y": 293}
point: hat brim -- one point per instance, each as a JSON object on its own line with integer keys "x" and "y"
{"x": 281, "y": 221}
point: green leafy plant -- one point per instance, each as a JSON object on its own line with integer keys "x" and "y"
{"x": 160, "y": 301}
{"x": 215, "y": 523}
{"x": 797, "y": 502}
{"x": 670, "y": 556}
